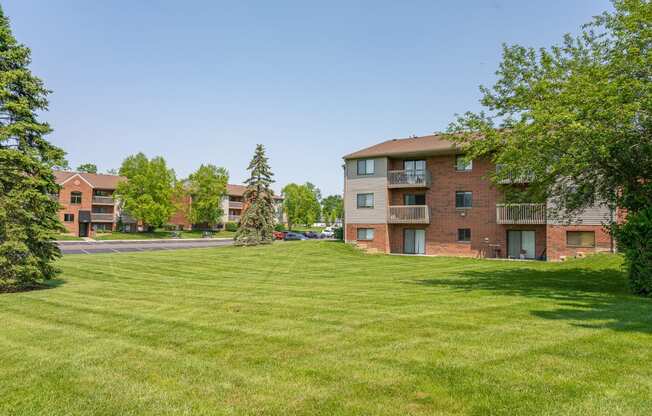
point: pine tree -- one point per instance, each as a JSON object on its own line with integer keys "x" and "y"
{"x": 257, "y": 222}
{"x": 28, "y": 214}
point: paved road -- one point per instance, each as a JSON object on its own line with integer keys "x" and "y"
{"x": 92, "y": 247}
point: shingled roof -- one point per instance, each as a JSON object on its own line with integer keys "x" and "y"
{"x": 411, "y": 146}
{"x": 96, "y": 180}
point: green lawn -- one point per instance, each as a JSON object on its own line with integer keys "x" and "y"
{"x": 318, "y": 328}
{"x": 67, "y": 237}
{"x": 158, "y": 235}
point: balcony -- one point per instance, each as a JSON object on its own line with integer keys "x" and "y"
{"x": 235, "y": 204}
{"x": 521, "y": 213}
{"x": 234, "y": 218}
{"x": 103, "y": 200}
{"x": 101, "y": 217}
{"x": 513, "y": 179}
{"x": 408, "y": 214}
{"x": 408, "y": 179}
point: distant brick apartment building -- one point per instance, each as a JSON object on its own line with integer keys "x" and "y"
{"x": 88, "y": 204}
{"x": 232, "y": 207}
{"x": 418, "y": 196}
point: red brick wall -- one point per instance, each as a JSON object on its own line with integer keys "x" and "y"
{"x": 74, "y": 185}
{"x": 557, "y": 245}
{"x": 379, "y": 243}
{"x": 179, "y": 218}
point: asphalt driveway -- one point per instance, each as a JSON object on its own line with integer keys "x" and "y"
{"x": 93, "y": 247}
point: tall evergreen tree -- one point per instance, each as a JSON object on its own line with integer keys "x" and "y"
{"x": 257, "y": 222}
{"x": 28, "y": 215}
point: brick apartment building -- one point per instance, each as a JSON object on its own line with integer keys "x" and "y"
{"x": 88, "y": 204}
{"x": 232, "y": 206}
{"x": 418, "y": 196}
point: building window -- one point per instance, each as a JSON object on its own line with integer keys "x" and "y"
{"x": 366, "y": 167}
{"x": 463, "y": 199}
{"x": 365, "y": 234}
{"x": 365, "y": 200}
{"x": 464, "y": 235}
{"x": 69, "y": 217}
{"x": 102, "y": 227}
{"x": 463, "y": 165}
{"x": 414, "y": 199}
{"x": 75, "y": 197}
{"x": 580, "y": 238}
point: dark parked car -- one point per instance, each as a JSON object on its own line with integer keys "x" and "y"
{"x": 295, "y": 236}
{"x": 311, "y": 234}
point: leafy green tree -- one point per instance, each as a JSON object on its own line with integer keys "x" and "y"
{"x": 576, "y": 118}
{"x": 148, "y": 193}
{"x": 87, "y": 168}
{"x": 300, "y": 204}
{"x": 332, "y": 208}
{"x": 257, "y": 221}
{"x": 28, "y": 216}
{"x": 112, "y": 171}
{"x": 207, "y": 187}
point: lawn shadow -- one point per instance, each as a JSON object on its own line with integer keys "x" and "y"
{"x": 49, "y": 284}
{"x": 588, "y": 298}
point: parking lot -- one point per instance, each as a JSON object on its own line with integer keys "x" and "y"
{"x": 94, "y": 247}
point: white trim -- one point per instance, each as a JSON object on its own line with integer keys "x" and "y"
{"x": 81, "y": 177}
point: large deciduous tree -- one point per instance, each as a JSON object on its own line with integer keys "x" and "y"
{"x": 87, "y": 168}
{"x": 207, "y": 188}
{"x": 148, "y": 193}
{"x": 332, "y": 208}
{"x": 28, "y": 215}
{"x": 300, "y": 204}
{"x": 576, "y": 118}
{"x": 257, "y": 221}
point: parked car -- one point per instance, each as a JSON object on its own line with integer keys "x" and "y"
{"x": 327, "y": 233}
{"x": 279, "y": 235}
{"x": 311, "y": 234}
{"x": 294, "y": 236}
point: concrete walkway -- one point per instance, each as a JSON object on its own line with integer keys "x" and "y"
{"x": 123, "y": 246}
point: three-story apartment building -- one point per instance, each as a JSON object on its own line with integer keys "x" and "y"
{"x": 420, "y": 196}
{"x": 88, "y": 204}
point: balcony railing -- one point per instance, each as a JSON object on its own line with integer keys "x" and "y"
{"x": 103, "y": 200}
{"x": 101, "y": 217}
{"x": 234, "y": 218}
{"x": 408, "y": 178}
{"x": 525, "y": 178}
{"x": 408, "y": 214}
{"x": 235, "y": 204}
{"x": 521, "y": 213}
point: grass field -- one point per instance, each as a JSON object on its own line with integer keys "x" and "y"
{"x": 319, "y": 328}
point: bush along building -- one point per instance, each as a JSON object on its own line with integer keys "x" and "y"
{"x": 88, "y": 204}
{"x": 421, "y": 196}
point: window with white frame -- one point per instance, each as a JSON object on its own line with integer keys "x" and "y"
{"x": 365, "y": 200}
{"x": 366, "y": 167}
{"x": 365, "y": 234}
{"x": 463, "y": 199}
{"x": 463, "y": 165}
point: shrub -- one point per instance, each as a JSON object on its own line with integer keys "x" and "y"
{"x": 635, "y": 241}
{"x": 231, "y": 226}
{"x": 339, "y": 233}
{"x": 279, "y": 227}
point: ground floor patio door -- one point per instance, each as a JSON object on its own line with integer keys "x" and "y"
{"x": 414, "y": 241}
{"x": 520, "y": 244}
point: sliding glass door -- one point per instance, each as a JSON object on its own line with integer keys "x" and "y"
{"x": 414, "y": 241}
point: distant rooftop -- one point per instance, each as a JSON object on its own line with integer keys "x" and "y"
{"x": 411, "y": 146}
{"x": 96, "y": 180}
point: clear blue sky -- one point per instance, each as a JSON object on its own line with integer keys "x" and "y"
{"x": 204, "y": 81}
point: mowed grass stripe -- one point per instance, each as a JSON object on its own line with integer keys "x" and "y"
{"x": 320, "y": 328}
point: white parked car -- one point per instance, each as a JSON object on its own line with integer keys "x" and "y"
{"x": 328, "y": 233}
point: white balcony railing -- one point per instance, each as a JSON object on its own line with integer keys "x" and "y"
{"x": 521, "y": 213}
{"x": 234, "y": 218}
{"x": 103, "y": 200}
{"x": 101, "y": 217}
{"x": 408, "y": 214}
{"x": 408, "y": 178}
{"x": 511, "y": 179}
{"x": 235, "y": 204}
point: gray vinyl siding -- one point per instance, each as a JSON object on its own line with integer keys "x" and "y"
{"x": 362, "y": 185}
{"x": 380, "y": 168}
{"x": 595, "y": 215}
